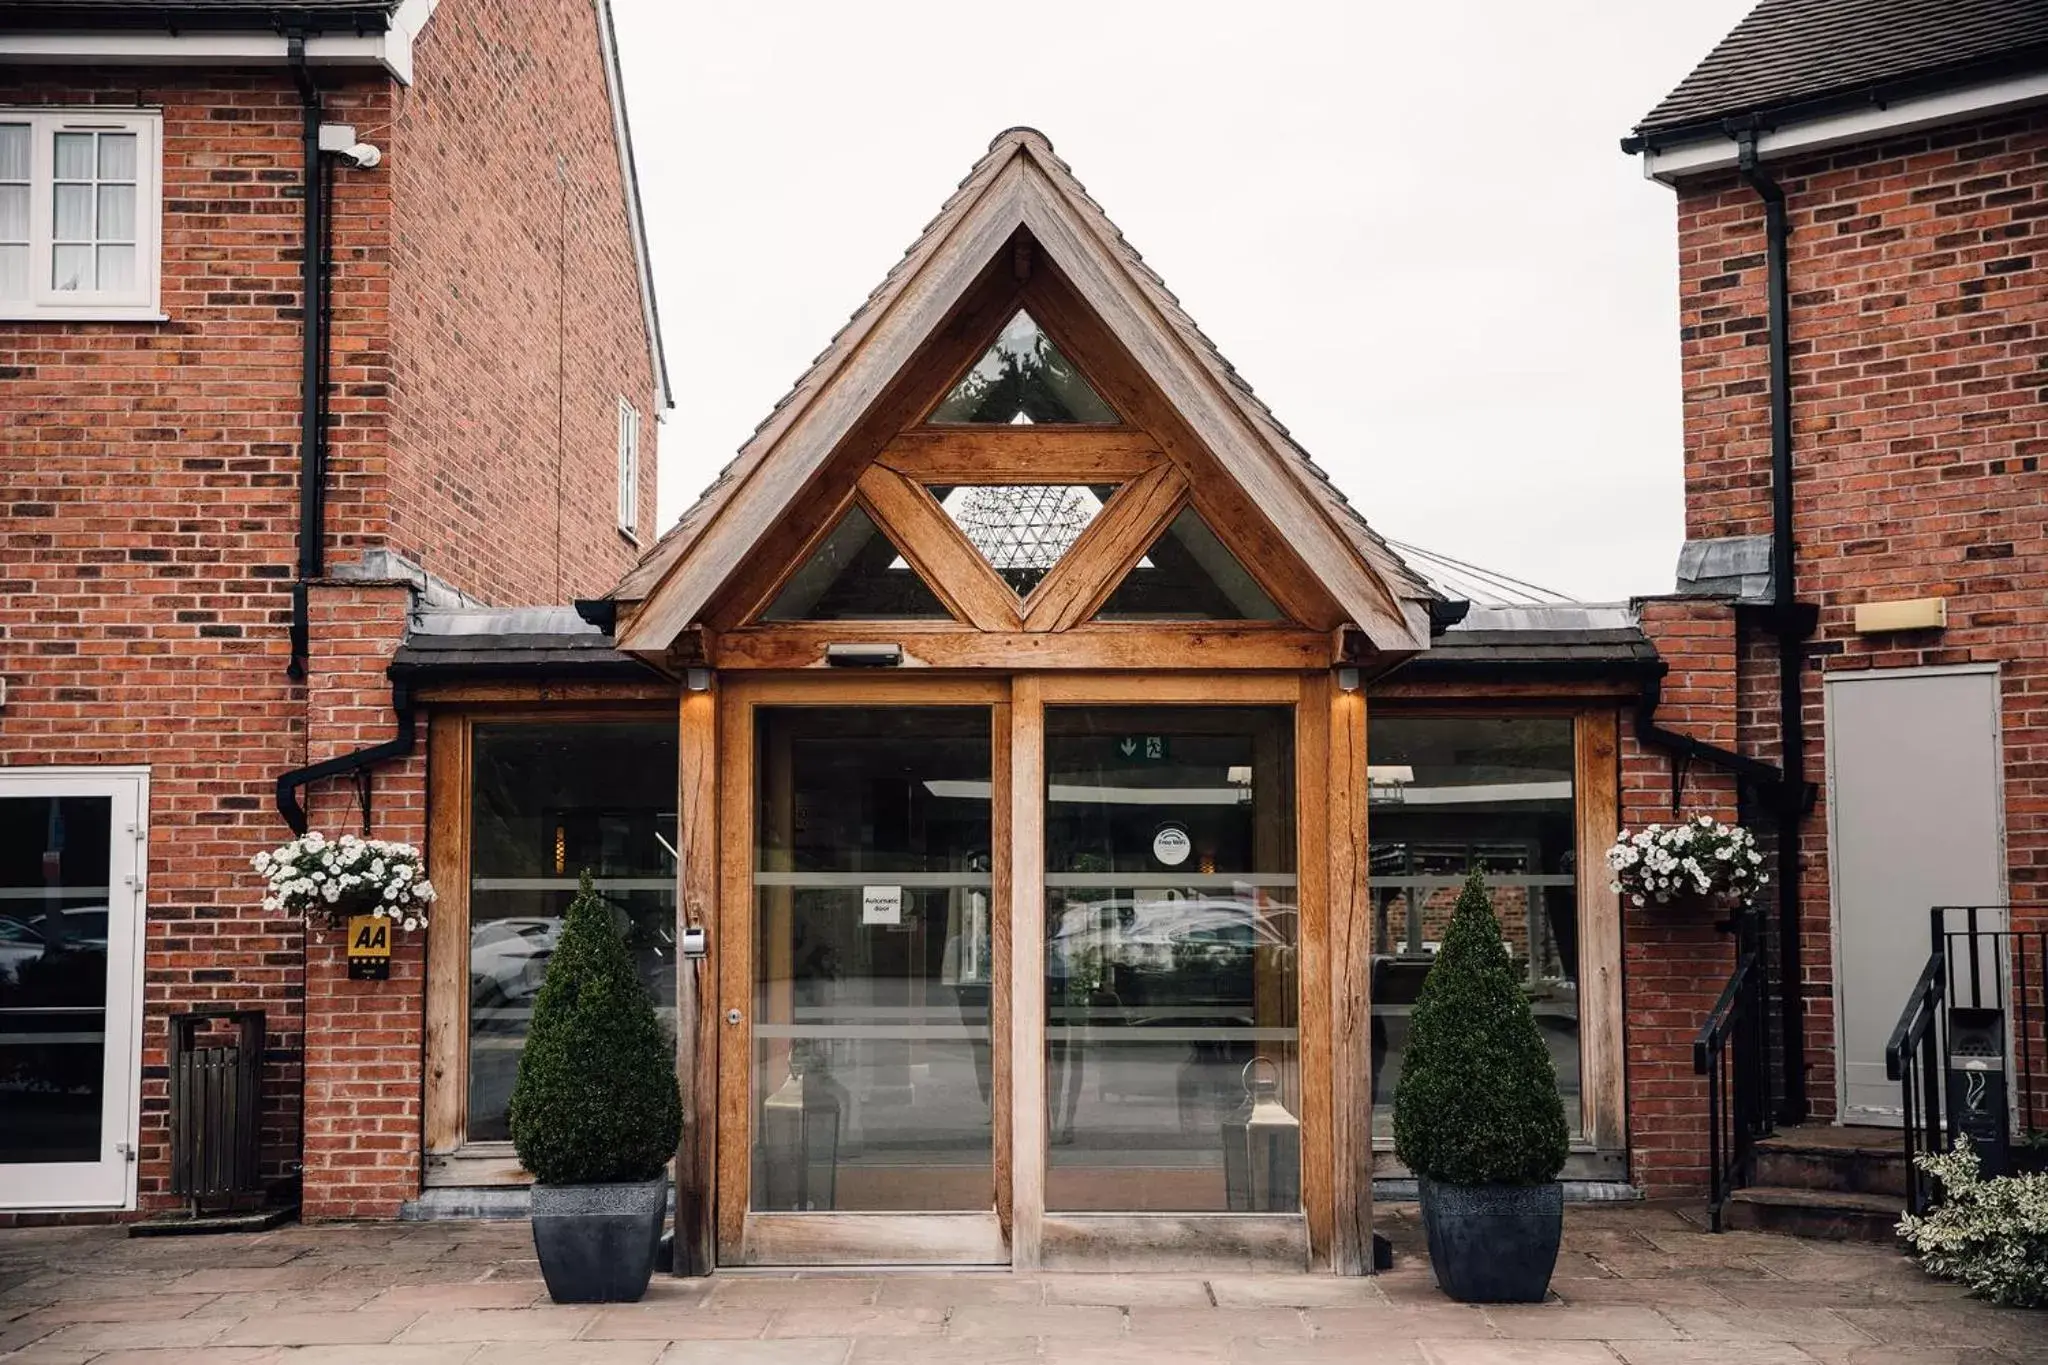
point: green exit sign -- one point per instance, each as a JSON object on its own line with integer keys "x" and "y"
{"x": 1142, "y": 748}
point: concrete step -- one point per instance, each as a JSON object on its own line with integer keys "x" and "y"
{"x": 1830, "y": 1216}
{"x": 1834, "y": 1159}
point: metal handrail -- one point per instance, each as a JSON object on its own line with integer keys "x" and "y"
{"x": 1729, "y": 1052}
{"x": 1918, "y": 1037}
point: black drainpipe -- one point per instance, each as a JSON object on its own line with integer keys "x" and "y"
{"x": 312, "y": 368}
{"x": 357, "y": 763}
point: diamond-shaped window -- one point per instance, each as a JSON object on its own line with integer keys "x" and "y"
{"x": 1022, "y": 529}
{"x": 1021, "y": 380}
{"x": 857, "y": 574}
{"x": 1188, "y": 575}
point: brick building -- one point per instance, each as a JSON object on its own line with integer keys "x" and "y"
{"x": 204, "y": 582}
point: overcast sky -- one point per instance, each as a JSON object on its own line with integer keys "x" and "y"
{"x": 1409, "y": 226}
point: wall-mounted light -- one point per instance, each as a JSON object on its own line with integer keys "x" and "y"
{"x": 698, "y": 679}
{"x": 864, "y": 656}
{"x": 1347, "y": 680}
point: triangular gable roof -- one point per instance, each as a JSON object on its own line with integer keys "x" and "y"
{"x": 1022, "y": 183}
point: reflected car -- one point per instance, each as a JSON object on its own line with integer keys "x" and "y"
{"x": 508, "y": 958}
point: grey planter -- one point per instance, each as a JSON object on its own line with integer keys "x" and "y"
{"x": 1493, "y": 1243}
{"x": 597, "y": 1243}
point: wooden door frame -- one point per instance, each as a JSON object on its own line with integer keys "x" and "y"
{"x": 744, "y": 1236}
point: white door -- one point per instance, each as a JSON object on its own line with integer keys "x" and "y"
{"x": 72, "y": 856}
{"x": 1916, "y": 819}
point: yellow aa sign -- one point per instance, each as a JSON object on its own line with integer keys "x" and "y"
{"x": 369, "y": 936}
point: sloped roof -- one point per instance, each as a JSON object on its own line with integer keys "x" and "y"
{"x": 1790, "y": 53}
{"x": 488, "y": 642}
{"x": 1008, "y": 149}
{"x": 1551, "y": 640}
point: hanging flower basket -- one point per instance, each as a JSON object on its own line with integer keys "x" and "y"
{"x": 328, "y": 880}
{"x": 1696, "y": 865}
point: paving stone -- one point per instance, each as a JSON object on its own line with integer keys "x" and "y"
{"x": 1401, "y": 1322}
{"x": 1712, "y": 1353}
{"x": 1663, "y": 1292}
{"x": 1556, "y": 1322}
{"x": 790, "y": 1351}
{"x": 675, "y": 1322}
{"x": 1184, "y": 1325}
{"x": 359, "y": 1327}
{"x": 854, "y": 1322}
{"x": 446, "y": 1353}
{"x": 569, "y": 1352}
{"x": 958, "y": 1291}
{"x": 1130, "y": 1351}
{"x": 1517, "y": 1353}
{"x": 113, "y": 1336}
{"x": 1763, "y": 1324}
{"x": 1964, "y": 1323}
{"x": 142, "y": 1308}
{"x": 1334, "y": 1350}
{"x": 550, "y": 1322}
{"x": 193, "y": 1355}
{"x": 943, "y": 1351}
{"x": 261, "y": 1301}
{"x": 1028, "y": 1320}
{"x": 1128, "y": 1291}
{"x": 487, "y": 1294}
{"x": 759, "y": 1291}
{"x": 1297, "y": 1291}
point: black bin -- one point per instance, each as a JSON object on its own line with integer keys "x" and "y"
{"x": 217, "y": 1108}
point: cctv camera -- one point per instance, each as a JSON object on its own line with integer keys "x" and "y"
{"x": 363, "y": 155}
{"x": 339, "y": 139}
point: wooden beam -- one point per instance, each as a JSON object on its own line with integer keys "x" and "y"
{"x": 1312, "y": 898}
{"x": 734, "y": 949}
{"x": 448, "y": 793}
{"x": 697, "y": 986}
{"x": 542, "y": 692}
{"x": 1104, "y": 647}
{"x": 1171, "y": 689}
{"x": 1096, "y": 562}
{"x": 1027, "y": 971}
{"x": 1504, "y": 691}
{"x": 1002, "y": 914}
{"x": 1022, "y": 454}
{"x": 1350, "y": 967}
{"x": 1596, "y": 785}
{"x": 938, "y": 551}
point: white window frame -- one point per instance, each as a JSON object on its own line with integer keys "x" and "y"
{"x": 143, "y": 303}
{"x": 629, "y": 470}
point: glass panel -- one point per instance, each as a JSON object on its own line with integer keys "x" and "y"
{"x": 14, "y": 145}
{"x": 1023, "y": 379}
{"x": 549, "y": 801}
{"x": 856, "y": 575}
{"x": 55, "y": 864}
{"x": 117, "y": 213}
{"x": 13, "y": 213}
{"x": 117, "y": 267}
{"x": 71, "y": 267}
{"x": 73, "y": 213}
{"x": 13, "y": 272}
{"x": 873, "y": 957}
{"x": 117, "y": 156}
{"x": 1449, "y": 794}
{"x": 74, "y": 156}
{"x": 1188, "y": 575}
{"x": 1171, "y": 1000}
{"x": 1022, "y": 529}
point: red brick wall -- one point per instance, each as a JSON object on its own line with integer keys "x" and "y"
{"x": 1675, "y": 963}
{"x": 1919, "y": 325}
{"x": 491, "y": 442}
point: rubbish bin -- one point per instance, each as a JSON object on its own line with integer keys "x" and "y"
{"x": 1978, "y": 1103}
{"x": 217, "y": 1109}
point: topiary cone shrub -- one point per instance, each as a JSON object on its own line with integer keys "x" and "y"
{"x": 596, "y": 1100}
{"x": 1477, "y": 1103}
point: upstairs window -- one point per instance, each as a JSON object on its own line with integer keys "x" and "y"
{"x": 629, "y": 468}
{"x": 79, "y": 214}
{"x": 1021, "y": 380}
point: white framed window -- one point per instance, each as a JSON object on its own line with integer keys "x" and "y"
{"x": 629, "y": 468}
{"x": 80, "y": 213}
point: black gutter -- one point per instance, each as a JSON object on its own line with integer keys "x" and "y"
{"x": 174, "y": 17}
{"x": 289, "y": 784}
{"x": 1792, "y": 624}
{"x": 315, "y": 272}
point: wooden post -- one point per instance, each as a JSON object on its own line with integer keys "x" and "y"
{"x": 1350, "y": 987}
{"x": 696, "y": 985}
{"x": 1596, "y": 785}
{"x": 1027, "y": 970}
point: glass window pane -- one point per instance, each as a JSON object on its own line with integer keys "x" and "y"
{"x": 55, "y": 866}
{"x": 1449, "y": 794}
{"x": 856, "y": 575}
{"x": 13, "y": 213}
{"x": 74, "y": 156}
{"x": 1022, "y": 530}
{"x": 1188, "y": 575}
{"x": 1172, "y": 1031}
{"x": 72, "y": 218}
{"x": 874, "y": 958}
{"x": 13, "y": 272}
{"x": 550, "y": 800}
{"x": 117, "y": 213}
{"x": 117, "y": 156}
{"x": 71, "y": 267}
{"x": 117, "y": 267}
{"x": 14, "y": 145}
{"x": 1023, "y": 379}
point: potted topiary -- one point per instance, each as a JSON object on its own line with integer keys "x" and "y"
{"x": 1478, "y": 1120}
{"x": 595, "y": 1114}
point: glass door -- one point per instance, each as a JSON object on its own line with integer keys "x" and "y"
{"x": 71, "y": 860}
{"x": 1172, "y": 1047}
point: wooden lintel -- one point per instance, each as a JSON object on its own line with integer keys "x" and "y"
{"x": 540, "y": 691}
{"x": 1022, "y": 454}
{"x": 1090, "y": 647}
{"x": 1508, "y": 690}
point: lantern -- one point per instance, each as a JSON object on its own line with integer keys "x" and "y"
{"x": 800, "y": 1139}
{"x": 1262, "y": 1146}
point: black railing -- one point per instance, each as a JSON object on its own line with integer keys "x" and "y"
{"x": 1729, "y": 1052}
{"x": 1968, "y": 1044}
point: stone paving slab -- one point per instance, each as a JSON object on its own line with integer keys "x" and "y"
{"x": 1637, "y": 1285}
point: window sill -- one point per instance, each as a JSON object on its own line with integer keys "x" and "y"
{"x": 629, "y": 537}
{"x": 17, "y": 313}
